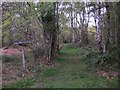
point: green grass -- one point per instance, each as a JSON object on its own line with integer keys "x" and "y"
{"x": 73, "y": 73}
{"x": 68, "y": 51}
{"x": 51, "y": 72}
{"x": 22, "y": 83}
{"x": 69, "y": 71}
{"x": 60, "y": 59}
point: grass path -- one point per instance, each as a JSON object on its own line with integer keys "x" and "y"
{"x": 67, "y": 72}
{"x": 71, "y": 72}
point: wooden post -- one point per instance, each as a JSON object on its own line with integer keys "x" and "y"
{"x": 21, "y": 43}
{"x": 23, "y": 57}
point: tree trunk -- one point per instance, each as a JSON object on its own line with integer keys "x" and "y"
{"x": 54, "y": 33}
{"x": 106, "y": 43}
{"x": 98, "y": 28}
{"x": 72, "y": 30}
{"x": 118, "y": 24}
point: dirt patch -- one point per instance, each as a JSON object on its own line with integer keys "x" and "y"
{"x": 12, "y": 51}
{"x": 9, "y": 51}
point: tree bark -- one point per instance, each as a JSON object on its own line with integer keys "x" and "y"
{"x": 98, "y": 28}
{"x": 118, "y": 24}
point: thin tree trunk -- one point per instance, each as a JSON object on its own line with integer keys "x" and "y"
{"x": 118, "y": 24}
{"x": 72, "y": 31}
{"x": 98, "y": 28}
{"x": 108, "y": 28}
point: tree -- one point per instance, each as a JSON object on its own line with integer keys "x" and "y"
{"x": 50, "y": 31}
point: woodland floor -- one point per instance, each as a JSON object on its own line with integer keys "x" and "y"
{"x": 68, "y": 71}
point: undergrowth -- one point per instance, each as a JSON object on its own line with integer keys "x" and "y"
{"x": 22, "y": 83}
{"x": 93, "y": 58}
{"x": 9, "y": 58}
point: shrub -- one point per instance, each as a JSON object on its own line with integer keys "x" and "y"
{"x": 11, "y": 58}
{"x": 38, "y": 52}
{"x": 107, "y": 60}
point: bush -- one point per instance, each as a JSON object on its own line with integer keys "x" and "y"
{"x": 11, "y": 58}
{"x": 107, "y": 60}
{"x": 38, "y": 52}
